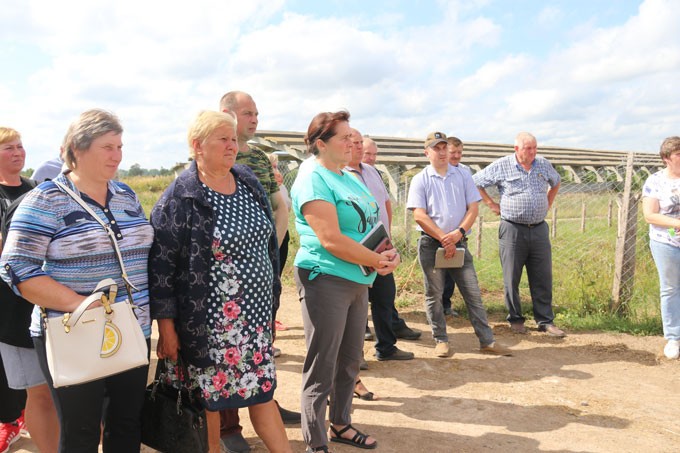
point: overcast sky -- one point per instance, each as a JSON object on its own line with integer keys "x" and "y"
{"x": 581, "y": 73}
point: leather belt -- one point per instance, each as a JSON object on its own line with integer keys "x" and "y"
{"x": 528, "y": 225}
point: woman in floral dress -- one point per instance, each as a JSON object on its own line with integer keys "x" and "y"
{"x": 212, "y": 282}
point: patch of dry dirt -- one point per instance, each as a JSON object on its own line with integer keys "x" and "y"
{"x": 589, "y": 392}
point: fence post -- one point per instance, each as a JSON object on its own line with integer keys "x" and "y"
{"x": 407, "y": 226}
{"x": 478, "y": 236}
{"x": 610, "y": 209}
{"x": 624, "y": 272}
{"x": 554, "y": 222}
{"x": 583, "y": 216}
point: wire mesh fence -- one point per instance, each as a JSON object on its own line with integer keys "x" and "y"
{"x": 587, "y": 221}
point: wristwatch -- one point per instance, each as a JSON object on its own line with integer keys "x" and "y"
{"x": 462, "y": 232}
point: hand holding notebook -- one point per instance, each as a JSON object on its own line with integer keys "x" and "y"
{"x": 377, "y": 240}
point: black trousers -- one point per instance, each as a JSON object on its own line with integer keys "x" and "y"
{"x": 115, "y": 401}
{"x": 283, "y": 252}
{"x": 449, "y": 286}
{"x": 381, "y": 296}
{"x": 12, "y": 402}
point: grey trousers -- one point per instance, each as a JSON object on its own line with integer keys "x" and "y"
{"x": 334, "y": 312}
{"x": 466, "y": 280}
{"x": 522, "y": 246}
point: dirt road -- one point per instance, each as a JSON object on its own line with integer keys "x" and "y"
{"x": 590, "y": 392}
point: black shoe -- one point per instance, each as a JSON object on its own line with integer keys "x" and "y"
{"x": 368, "y": 336}
{"x": 406, "y": 333}
{"x": 235, "y": 443}
{"x": 451, "y": 312}
{"x": 398, "y": 354}
{"x": 289, "y": 417}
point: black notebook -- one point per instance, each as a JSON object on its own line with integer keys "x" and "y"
{"x": 377, "y": 240}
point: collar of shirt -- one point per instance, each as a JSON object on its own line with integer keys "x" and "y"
{"x": 431, "y": 172}
{"x": 521, "y": 168}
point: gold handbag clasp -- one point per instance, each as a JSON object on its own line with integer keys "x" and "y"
{"x": 65, "y": 320}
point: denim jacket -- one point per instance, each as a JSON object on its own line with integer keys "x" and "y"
{"x": 180, "y": 257}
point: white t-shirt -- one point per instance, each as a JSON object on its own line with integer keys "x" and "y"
{"x": 667, "y": 192}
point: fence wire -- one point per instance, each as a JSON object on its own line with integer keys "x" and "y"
{"x": 586, "y": 221}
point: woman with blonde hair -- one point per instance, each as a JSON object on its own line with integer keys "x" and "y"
{"x": 23, "y": 384}
{"x": 214, "y": 281}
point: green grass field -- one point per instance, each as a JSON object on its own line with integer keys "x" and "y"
{"x": 583, "y": 265}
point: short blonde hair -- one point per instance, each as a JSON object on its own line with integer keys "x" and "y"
{"x": 205, "y": 124}
{"x": 523, "y": 137}
{"x": 89, "y": 126}
{"x": 7, "y": 134}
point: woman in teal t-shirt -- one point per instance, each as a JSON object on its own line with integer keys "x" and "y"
{"x": 333, "y": 212}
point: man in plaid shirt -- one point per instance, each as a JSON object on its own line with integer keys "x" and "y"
{"x": 527, "y": 185}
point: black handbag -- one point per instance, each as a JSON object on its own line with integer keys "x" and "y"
{"x": 172, "y": 420}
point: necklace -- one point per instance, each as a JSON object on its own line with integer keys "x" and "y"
{"x": 223, "y": 184}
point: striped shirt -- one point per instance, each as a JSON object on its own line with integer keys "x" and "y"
{"x": 52, "y": 235}
{"x": 524, "y": 194}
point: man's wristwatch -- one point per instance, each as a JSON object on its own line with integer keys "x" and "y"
{"x": 462, "y": 232}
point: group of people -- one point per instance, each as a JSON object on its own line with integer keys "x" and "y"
{"x": 206, "y": 266}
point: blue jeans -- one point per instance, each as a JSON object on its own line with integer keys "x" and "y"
{"x": 466, "y": 280}
{"x": 667, "y": 259}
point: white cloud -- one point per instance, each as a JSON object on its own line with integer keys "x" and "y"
{"x": 157, "y": 63}
{"x": 490, "y": 74}
{"x": 608, "y": 89}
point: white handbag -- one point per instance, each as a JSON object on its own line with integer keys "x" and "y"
{"x": 87, "y": 345}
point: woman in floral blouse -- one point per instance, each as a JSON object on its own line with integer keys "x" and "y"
{"x": 212, "y": 282}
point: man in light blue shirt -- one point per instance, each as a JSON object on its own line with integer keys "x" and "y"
{"x": 527, "y": 185}
{"x": 445, "y": 203}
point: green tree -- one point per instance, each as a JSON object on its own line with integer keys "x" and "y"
{"x": 135, "y": 170}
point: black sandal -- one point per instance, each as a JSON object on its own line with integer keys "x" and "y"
{"x": 368, "y": 396}
{"x": 359, "y": 439}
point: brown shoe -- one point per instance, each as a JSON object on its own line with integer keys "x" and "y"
{"x": 552, "y": 330}
{"x": 518, "y": 327}
{"x": 496, "y": 349}
{"x": 441, "y": 349}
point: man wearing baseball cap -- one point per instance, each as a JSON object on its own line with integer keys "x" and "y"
{"x": 445, "y": 204}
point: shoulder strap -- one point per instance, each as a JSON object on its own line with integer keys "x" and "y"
{"x": 109, "y": 232}
{"x": 31, "y": 182}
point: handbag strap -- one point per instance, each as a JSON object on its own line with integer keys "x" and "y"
{"x": 109, "y": 232}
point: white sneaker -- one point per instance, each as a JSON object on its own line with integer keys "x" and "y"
{"x": 672, "y": 349}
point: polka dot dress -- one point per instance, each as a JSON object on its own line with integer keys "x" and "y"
{"x": 239, "y": 306}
